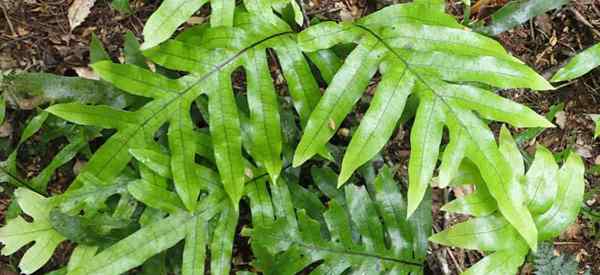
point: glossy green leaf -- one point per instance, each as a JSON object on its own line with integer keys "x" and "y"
{"x": 155, "y": 196}
{"x": 489, "y": 233}
{"x": 2, "y": 108}
{"x": 248, "y": 43}
{"x": 553, "y": 199}
{"x": 518, "y": 12}
{"x": 264, "y": 113}
{"x": 226, "y": 135}
{"x": 166, "y": 19}
{"x": 343, "y": 92}
{"x": 500, "y": 262}
{"x": 509, "y": 149}
{"x": 567, "y": 202}
{"x": 541, "y": 185}
{"x": 133, "y": 250}
{"x": 97, "y": 51}
{"x": 435, "y": 51}
{"x": 288, "y": 245}
{"x": 33, "y": 126}
{"x": 380, "y": 120}
{"x": 18, "y": 232}
{"x": 132, "y": 52}
{"x": 30, "y": 90}
{"x": 183, "y": 150}
{"x": 579, "y": 65}
{"x": 478, "y": 203}
{"x": 597, "y": 131}
{"x": 194, "y": 251}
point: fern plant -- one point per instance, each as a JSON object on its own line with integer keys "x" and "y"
{"x": 424, "y": 53}
{"x": 552, "y": 197}
{"x": 172, "y": 13}
{"x": 176, "y": 162}
{"x": 362, "y": 229}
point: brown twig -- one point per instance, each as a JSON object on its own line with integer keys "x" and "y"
{"x": 584, "y": 21}
{"x": 10, "y": 25}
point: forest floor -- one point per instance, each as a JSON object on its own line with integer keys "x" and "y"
{"x": 35, "y": 36}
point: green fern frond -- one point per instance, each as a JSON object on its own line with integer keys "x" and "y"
{"x": 172, "y": 13}
{"x": 553, "y": 197}
{"x": 358, "y": 231}
{"x": 424, "y": 52}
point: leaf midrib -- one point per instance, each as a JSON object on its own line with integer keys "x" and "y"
{"x": 442, "y": 99}
{"x": 217, "y": 68}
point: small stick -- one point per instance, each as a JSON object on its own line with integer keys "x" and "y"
{"x": 582, "y": 19}
{"x": 10, "y": 25}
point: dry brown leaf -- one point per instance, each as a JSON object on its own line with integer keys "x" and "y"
{"x": 86, "y": 72}
{"x": 561, "y": 119}
{"x": 78, "y": 11}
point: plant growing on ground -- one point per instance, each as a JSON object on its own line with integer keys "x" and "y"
{"x": 552, "y": 196}
{"x": 178, "y": 158}
{"x": 424, "y": 53}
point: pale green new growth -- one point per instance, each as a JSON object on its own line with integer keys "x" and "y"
{"x": 553, "y": 198}
{"x": 18, "y": 232}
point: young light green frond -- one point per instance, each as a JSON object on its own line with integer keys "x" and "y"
{"x": 488, "y": 233}
{"x": 541, "y": 186}
{"x": 579, "y": 65}
{"x": 500, "y": 262}
{"x": 509, "y": 149}
{"x": 18, "y": 232}
{"x": 566, "y": 204}
{"x": 552, "y": 210}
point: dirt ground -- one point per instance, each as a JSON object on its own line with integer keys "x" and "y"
{"x": 35, "y": 36}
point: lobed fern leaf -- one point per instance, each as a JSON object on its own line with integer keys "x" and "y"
{"x": 18, "y": 232}
{"x": 424, "y": 53}
{"x": 359, "y": 231}
{"x": 172, "y": 13}
{"x": 553, "y": 198}
{"x": 247, "y": 43}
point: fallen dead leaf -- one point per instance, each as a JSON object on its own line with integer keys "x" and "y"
{"x": 86, "y": 72}
{"x": 78, "y": 11}
{"x": 6, "y": 130}
{"x": 584, "y": 150}
{"x": 561, "y": 119}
